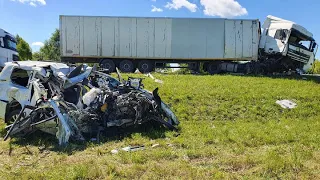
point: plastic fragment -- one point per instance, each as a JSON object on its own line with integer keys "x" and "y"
{"x": 114, "y": 151}
{"x": 286, "y": 104}
{"x": 155, "y": 145}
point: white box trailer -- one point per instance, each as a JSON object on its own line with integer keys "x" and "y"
{"x": 166, "y": 40}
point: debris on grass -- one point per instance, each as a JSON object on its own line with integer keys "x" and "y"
{"x": 114, "y": 151}
{"x": 155, "y": 80}
{"x": 287, "y": 104}
{"x": 169, "y": 145}
{"x": 133, "y": 148}
{"x": 155, "y": 145}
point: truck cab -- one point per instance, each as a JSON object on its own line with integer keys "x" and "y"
{"x": 289, "y": 42}
{"x": 8, "y": 48}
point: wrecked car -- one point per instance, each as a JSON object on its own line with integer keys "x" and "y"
{"x": 69, "y": 101}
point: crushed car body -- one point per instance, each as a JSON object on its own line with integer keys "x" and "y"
{"x": 69, "y": 101}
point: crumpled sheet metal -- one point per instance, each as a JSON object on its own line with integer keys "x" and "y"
{"x": 64, "y": 130}
{"x": 74, "y": 80}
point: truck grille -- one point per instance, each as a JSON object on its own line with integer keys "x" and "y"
{"x": 298, "y": 56}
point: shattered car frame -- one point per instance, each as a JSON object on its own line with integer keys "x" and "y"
{"x": 71, "y": 101}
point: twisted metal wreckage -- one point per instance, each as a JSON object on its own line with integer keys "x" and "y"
{"x": 71, "y": 101}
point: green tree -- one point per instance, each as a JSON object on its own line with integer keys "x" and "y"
{"x": 24, "y": 50}
{"x": 51, "y": 48}
{"x": 316, "y": 68}
{"x": 38, "y": 56}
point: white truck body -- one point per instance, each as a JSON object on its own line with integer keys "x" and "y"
{"x": 130, "y": 42}
{"x": 159, "y": 38}
{"x": 8, "y": 49}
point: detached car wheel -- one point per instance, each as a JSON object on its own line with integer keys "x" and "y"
{"x": 12, "y": 116}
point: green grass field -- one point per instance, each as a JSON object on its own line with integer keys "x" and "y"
{"x": 231, "y": 128}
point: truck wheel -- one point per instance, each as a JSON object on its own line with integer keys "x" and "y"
{"x": 194, "y": 67}
{"x": 126, "y": 66}
{"x": 146, "y": 66}
{"x": 214, "y": 68}
{"x": 108, "y": 64}
{"x": 205, "y": 67}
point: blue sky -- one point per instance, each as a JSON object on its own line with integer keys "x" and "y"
{"x": 35, "y": 20}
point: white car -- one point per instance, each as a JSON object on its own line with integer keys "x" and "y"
{"x": 71, "y": 101}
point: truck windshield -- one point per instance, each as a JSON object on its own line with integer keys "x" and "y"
{"x": 299, "y": 40}
{"x": 10, "y": 43}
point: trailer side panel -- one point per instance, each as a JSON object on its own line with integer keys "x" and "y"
{"x": 159, "y": 38}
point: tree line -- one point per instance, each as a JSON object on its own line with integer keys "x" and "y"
{"x": 50, "y": 50}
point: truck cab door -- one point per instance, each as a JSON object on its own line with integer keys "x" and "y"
{"x": 276, "y": 41}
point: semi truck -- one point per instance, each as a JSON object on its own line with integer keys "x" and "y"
{"x": 217, "y": 44}
{"x": 8, "y": 48}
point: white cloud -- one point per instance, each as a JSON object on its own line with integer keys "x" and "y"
{"x": 155, "y": 9}
{"x": 37, "y": 44}
{"x": 223, "y": 8}
{"x": 32, "y": 2}
{"x": 177, "y": 4}
{"x": 154, "y": 0}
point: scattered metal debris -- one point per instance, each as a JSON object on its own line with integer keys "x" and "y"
{"x": 74, "y": 102}
{"x": 155, "y": 145}
{"x": 169, "y": 145}
{"x": 134, "y": 148}
{"x": 286, "y": 104}
{"x": 114, "y": 151}
{"x": 155, "y": 80}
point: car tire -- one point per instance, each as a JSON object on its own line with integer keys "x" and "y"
{"x": 12, "y": 116}
{"x": 146, "y": 66}
{"x": 126, "y": 66}
{"x": 108, "y": 64}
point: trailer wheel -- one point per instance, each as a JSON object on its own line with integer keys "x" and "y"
{"x": 214, "y": 68}
{"x": 108, "y": 64}
{"x": 146, "y": 66}
{"x": 194, "y": 66}
{"x": 205, "y": 67}
{"x": 126, "y": 66}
